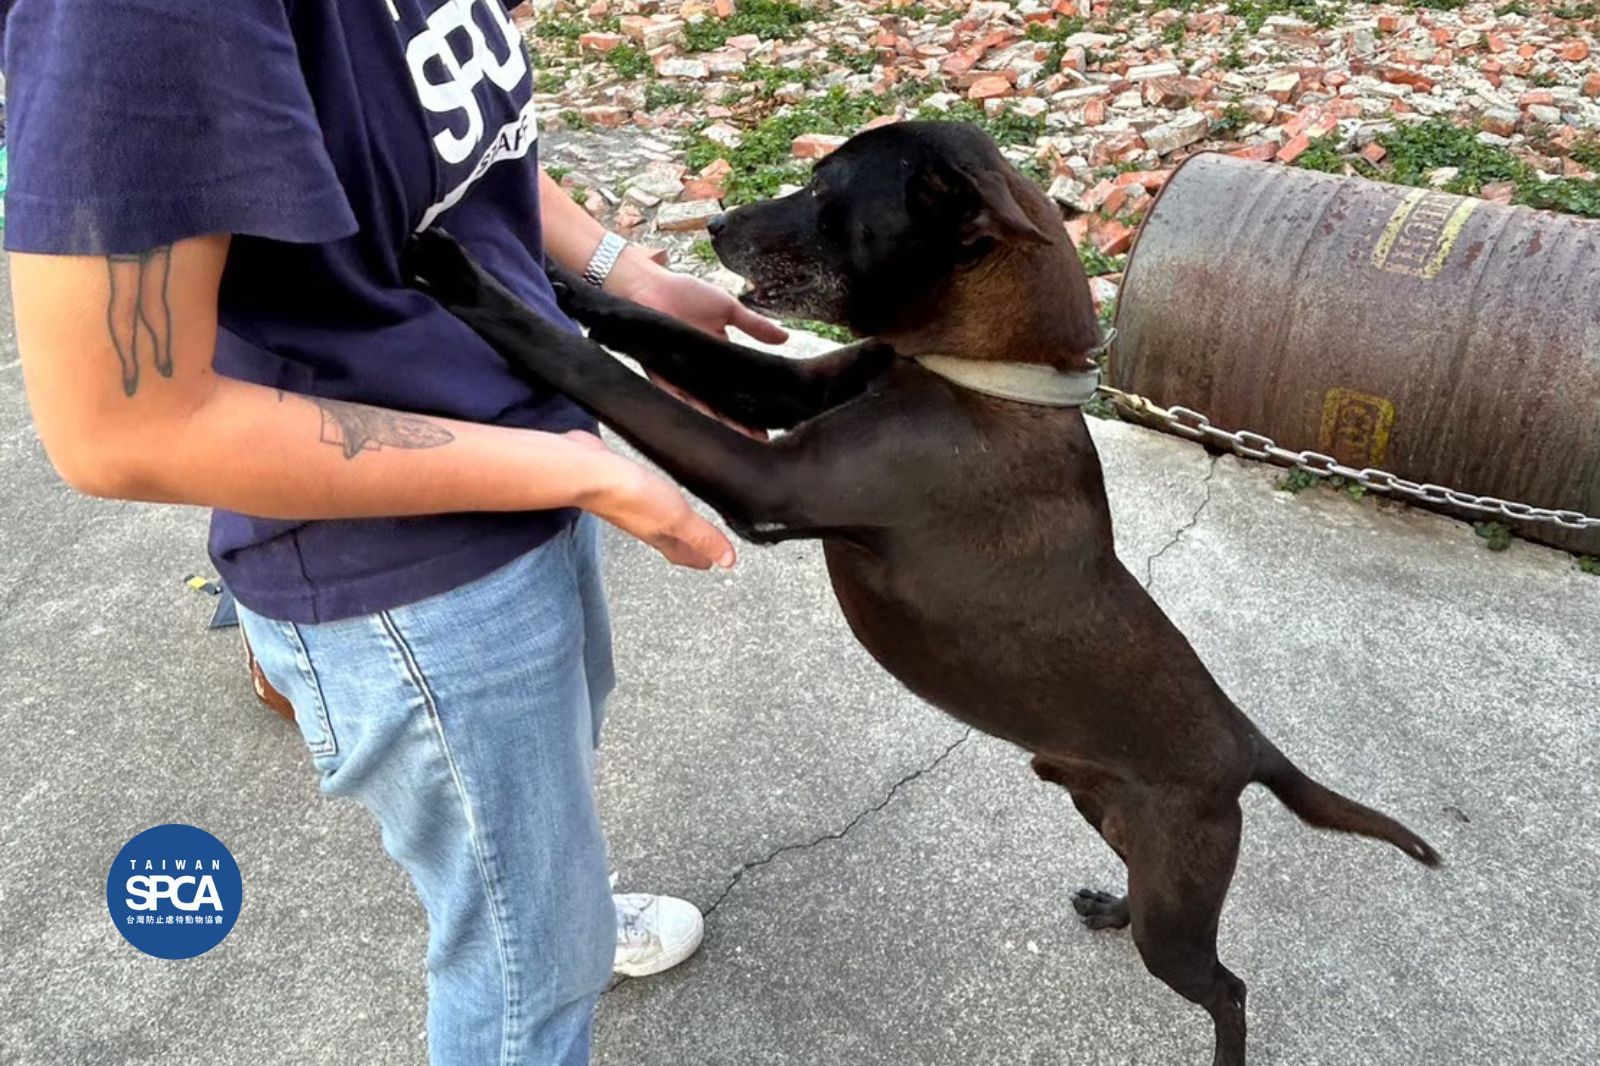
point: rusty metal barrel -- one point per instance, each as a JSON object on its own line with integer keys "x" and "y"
{"x": 1445, "y": 339}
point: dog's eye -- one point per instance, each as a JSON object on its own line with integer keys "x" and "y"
{"x": 830, "y": 222}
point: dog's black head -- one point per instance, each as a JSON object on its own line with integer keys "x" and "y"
{"x": 884, "y": 224}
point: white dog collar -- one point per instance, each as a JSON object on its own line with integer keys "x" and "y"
{"x": 1034, "y": 383}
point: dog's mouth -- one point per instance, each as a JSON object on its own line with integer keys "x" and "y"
{"x": 775, "y": 294}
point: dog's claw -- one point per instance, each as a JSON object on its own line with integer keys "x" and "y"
{"x": 1100, "y": 910}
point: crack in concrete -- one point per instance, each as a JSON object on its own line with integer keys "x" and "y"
{"x": 1194, "y": 519}
{"x": 839, "y": 834}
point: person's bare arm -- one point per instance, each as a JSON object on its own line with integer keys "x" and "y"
{"x": 571, "y": 236}
{"x": 117, "y": 356}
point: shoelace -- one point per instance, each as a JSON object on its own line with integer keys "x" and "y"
{"x": 635, "y": 930}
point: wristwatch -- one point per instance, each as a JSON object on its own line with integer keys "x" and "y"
{"x": 604, "y": 259}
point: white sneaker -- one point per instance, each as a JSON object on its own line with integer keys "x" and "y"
{"x": 654, "y": 933}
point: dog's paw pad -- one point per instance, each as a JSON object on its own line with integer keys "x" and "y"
{"x": 1100, "y": 910}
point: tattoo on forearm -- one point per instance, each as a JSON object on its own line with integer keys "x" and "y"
{"x": 138, "y": 314}
{"x": 358, "y": 428}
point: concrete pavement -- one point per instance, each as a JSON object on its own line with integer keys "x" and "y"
{"x": 883, "y": 887}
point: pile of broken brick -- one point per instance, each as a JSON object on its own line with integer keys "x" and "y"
{"x": 1120, "y": 91}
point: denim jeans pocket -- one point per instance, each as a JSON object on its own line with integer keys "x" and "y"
{"x": 282, "y": 655}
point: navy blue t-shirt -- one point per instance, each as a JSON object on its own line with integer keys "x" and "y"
{"x": 321, "y": 133}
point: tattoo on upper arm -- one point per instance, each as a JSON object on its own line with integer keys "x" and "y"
{"x": 138, "y": 313}
{"x": 358, "y": 428}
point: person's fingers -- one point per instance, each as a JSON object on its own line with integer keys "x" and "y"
{"x": 696, "y": 543}
{"x": 761, "y": 328}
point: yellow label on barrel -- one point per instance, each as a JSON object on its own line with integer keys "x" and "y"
{"x": 1421, "y": 233}
{"x": 1355, "y": 427}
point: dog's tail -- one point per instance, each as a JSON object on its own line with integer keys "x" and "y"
{"x": 1326, "y": 809}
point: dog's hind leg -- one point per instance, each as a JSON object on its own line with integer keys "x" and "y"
{"x": 1179, "y": 870}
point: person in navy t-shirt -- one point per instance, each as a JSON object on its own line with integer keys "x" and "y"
{"x": 207, "y": 207}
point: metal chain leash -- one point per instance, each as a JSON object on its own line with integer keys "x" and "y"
{"x": 1192, "y": 424}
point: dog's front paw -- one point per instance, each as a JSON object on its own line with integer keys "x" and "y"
{"x": 435, "y": 263}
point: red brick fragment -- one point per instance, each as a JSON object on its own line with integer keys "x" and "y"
{"x": 606, "y": 116}
{"x": 815, "y": 145}
{"x": 1149, "y": 180}
{"x": 990, "y": 87}
{"x": 1497, "y": 123}
{"x": 1293, "y": 149}
{"x": 600, "y": 42}
{"x": 1077, "y": 230}
{"x": 1499, "y": 192}
{"x": 1405, "y": 76}
{"x": 1261, "y": 152}
{"x": 1110, "y": 236}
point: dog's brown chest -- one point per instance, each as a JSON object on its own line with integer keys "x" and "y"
{"x": 936, "y": 639}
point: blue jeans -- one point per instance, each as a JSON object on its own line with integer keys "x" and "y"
{"x": 467, "y": 724}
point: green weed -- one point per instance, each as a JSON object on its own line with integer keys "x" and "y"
{"x": 1233, "y": 119}
{"x": 826, "y": 330}
{"x": 663, "y": 94}
{"x": 763, "y": 160}
{"x": 1296, "y": 480}
{"x": 1055, "y": 35}
{"x": 630, "y": 62}
{"x": 1096, "y": 263}
{"x": 1496, "y": 535}
{"x": 1414, "y": 152}
{"x": 857, "y": 62}
{"x": 1323, "y": 155}
{"x": 767, "y": 19}
{"x": 1256, "y": 12}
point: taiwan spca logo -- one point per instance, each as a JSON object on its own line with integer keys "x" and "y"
{"x": 174, "y": 891}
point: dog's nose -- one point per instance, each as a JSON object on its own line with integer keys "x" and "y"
{"x": 714, "y": 227}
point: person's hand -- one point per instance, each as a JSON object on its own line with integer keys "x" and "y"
{"x": 649, "y": 508}
{"x": 695, "y": 303}
{"x": 688, "y": 299}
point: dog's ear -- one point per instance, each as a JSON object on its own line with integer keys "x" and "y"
{"x": 999, "y": 215}
{"x": 984, "y": 198}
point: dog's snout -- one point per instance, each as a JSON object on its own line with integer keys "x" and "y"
{"x": 716, "y": 224}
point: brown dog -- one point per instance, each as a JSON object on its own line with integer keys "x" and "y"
{"x": 967, "y": 535}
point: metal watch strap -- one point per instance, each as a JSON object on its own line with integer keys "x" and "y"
{"x": 604, "y": 258}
